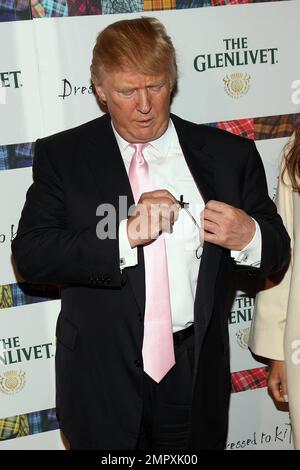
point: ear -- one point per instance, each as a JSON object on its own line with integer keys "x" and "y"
{"x": 100, "y": 93}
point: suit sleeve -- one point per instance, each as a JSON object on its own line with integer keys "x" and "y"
{"x": 271, "y": 307}
{"x": 46, "y": 250}
{"x": 257, "y": 204}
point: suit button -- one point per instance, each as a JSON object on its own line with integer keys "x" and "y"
{"x": 138, "y": 363}
{"x": 140, "y": 317}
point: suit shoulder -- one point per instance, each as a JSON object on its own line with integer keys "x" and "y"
{"x": 222, "y": 135}
{"x": 212, "y": 134}
{"x": 62, "y": 149}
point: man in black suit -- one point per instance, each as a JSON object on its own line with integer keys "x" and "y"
{"x": 66, "y": 236}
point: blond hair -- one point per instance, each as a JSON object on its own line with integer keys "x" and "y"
{"x": 292, "y": 161}
{"x": 140, "y": 44}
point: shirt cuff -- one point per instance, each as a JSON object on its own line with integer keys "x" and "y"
{"x": 128, "y": 255}
{"x": 251, "y": 254}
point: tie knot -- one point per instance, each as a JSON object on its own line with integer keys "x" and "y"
{"x": 139, "y": 147}
{"x": 138, "y": 153}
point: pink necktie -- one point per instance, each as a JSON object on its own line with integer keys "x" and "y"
{"x": 158, "y": 347}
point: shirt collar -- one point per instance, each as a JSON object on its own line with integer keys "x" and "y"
{"x": 161, "y": 145}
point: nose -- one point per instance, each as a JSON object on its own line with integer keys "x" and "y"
{"x": 143, "y": 101}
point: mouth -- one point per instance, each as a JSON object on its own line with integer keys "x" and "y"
{"x": 144, "y": 122}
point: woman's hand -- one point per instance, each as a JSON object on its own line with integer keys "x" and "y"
{"x": 277, "y": 384}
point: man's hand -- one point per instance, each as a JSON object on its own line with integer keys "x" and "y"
{"x": 227, "y": 226}
{"x": 155, "y": 213}
{"x": 277, "y": 385}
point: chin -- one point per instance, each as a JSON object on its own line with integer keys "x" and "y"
{"x": 144, "y": 137}
{"x": 149, "y": 133}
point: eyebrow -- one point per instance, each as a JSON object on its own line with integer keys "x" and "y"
{"x": 132, "y": 88}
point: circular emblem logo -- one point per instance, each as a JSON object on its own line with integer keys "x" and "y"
{"x": 12, "y": 381}
{"x": 242, "y": 337}
{"x": 237, "y": 84}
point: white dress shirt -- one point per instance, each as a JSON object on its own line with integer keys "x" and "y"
{"x": 184, "y": 247}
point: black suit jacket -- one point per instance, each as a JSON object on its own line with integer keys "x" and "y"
{"x": 100, "y": 327}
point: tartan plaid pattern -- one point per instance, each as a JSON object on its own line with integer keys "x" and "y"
{"x": 14, "y": 10}
{"x": 37, "y": 9}
{"x": 248, "y": 379}
{"x": 14, "y": 426}
{"x": 181, "y": 4}
{"x": 23, "y": 155}
{"x": 152, "y": 5}
{"x": 46, "y": 8}
{"x": 215, "y": 3}
{"x": 122, "y": 6}
{"x": 16, "y": 156}
{"x": 84, "y": 7}
{"x": 4, "y": 159}
{"x": 41, "y": 421}
{"x": 271, "y": 127}
{"x": 18, "y": 295}
{"x": 15, "y": 295}
{"x": 267, "y": 127}
{"x": 27, "y": 424}
{"x": 242, "y": 127}
{"x": 18, "y": 5}
{"x": 6, "y": 298}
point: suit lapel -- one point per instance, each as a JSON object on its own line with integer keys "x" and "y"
{"x": 106, "y": 164}
{"x": 193, "y": 141}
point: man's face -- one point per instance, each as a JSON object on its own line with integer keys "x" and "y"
{"x": 138, "y": 104}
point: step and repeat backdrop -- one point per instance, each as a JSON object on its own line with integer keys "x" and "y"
{"x": 238, "y": 71}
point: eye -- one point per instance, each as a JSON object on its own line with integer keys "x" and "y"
{"x": 126, "y": 93}
{"x": 155, "y": 88}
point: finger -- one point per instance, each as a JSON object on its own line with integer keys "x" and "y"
{"x": 210, "y": 237}
{"x": 175, "y": 209}
{"x": 166, "y": 223}
{"x": 217, "y": 206}
{"x": 157, "y": 195}
{"x": 166, "y": 226}
{"x": 211, "y": 227}
{"x": 161, "y": 202}
{"x": 161, "y": 218}
{"x": 169, "y": 201}
{"x": 212, "y": 215}
{"x": 169, "y": 212}
{"x": 168, "y": 219}
{"x": 163, "y": 194}
{"x": 274, "y": 387}
{"x": 172, "y": 217}
{"x": 284, "y": 391}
